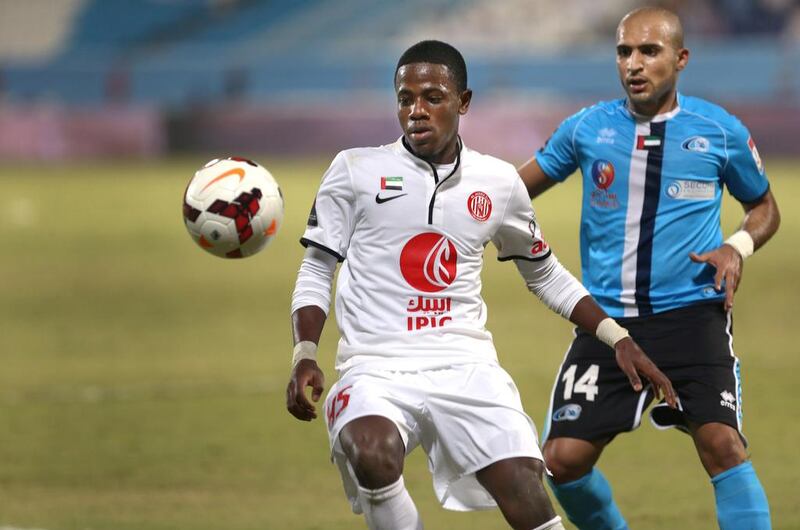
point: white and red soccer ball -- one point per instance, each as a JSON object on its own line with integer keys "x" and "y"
{"x": 232, "y": 207}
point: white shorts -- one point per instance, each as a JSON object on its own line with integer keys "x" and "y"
{"x": 465, "y": 417}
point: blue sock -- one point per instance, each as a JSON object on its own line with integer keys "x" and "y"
{"x": 741, "y": 501}
{"x": 588, "y": 502}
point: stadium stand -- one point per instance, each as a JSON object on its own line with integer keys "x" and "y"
{"x": 259, "y": 68}
{"x": 180, "y": 52}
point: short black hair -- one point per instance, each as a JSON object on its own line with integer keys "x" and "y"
{"x": 437, "y": 52}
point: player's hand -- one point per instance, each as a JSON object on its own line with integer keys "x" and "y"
{"x": 633, "y": 361}
{"x": 728, "y": 263}
{"x": 306, "y": 373}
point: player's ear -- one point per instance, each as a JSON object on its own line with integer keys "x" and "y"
{"x": 463, "y": 101}
{"x": 683, "y": 58}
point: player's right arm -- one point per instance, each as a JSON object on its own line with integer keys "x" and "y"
{"x": 555, "y": 161}
{"x": 310, "y": 303}
{"x": 326, "y": 238}
{"x": 534, "y": 178}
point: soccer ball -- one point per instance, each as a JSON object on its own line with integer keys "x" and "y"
{"x": 232, "y": 207}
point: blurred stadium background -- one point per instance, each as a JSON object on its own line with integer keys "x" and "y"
{"x": 141, "y": 381}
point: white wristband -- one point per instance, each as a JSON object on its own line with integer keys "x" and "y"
{"x": 609, "y": 332}
{"x": 304, "y": 349}
{"x": 742, "y": 241}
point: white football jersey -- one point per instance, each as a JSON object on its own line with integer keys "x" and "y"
{"x": 408, "y": 295}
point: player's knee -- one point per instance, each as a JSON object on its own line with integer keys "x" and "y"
{"x": 565, "y": 464}
{"x": 721, "y": 448}
{"x": 727, "y": 453}
{"x": 376, "y": 460}
{"x": 516, "y": 485}
{"x": 376, "y": 467}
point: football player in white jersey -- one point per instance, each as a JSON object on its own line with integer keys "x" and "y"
{"x": 409, "y": 222}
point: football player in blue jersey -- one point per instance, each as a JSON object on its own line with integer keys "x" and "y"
{"x": 654, "y": 165}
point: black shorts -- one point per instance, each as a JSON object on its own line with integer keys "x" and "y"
{"x": 592, "y": 398}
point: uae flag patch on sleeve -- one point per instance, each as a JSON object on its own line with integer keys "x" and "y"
{"x": 392, "y": 183}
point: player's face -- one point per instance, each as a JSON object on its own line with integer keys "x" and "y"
{"x": 648, "y": 64}
{"x": 428, "y": 107}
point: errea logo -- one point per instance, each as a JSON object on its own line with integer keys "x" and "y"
{"x": 606, "y": 136}
{"x": 728, "y": 400}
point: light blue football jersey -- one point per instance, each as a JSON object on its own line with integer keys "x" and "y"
{"x": 652, "y": 192}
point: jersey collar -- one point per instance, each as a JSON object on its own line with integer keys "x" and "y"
{"x": 402, "y": 148}
{"x": 658, "y": 117}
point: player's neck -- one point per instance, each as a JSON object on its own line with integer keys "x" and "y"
{"x": 647, "y": 112}
{"x": 447, "y": 156}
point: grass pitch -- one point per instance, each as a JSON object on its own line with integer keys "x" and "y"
{"x": 142, "y": 380}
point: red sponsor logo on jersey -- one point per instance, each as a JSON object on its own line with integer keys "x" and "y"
{"x": 480, "y": 206}
{"x": 539, "y": 246}
{"x": 602, "y": 174}
{"x": 426, "y": 312}
{"x": 428, "y": 262}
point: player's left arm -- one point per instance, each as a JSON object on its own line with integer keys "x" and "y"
{"x": 746, "y": 179}
{"x": 563, "y": 293}
{"x": 761, "y": 221}
{"x": 520, "y": 239}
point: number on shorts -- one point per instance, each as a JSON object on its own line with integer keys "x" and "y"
{"x": 338, "y": 404}
{"x": 587, "y": 384}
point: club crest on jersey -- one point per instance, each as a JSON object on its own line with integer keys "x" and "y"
{"x": 602, "y": 174}
{"x": 753, "y": 151}
{"x": 428, "y": 262}
{"x": 697, "y": 144}
{"x": 480, "y": 206}
{"x": 570, "y": 412}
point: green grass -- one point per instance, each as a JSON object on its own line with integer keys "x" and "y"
{"x": 142, "y": 381}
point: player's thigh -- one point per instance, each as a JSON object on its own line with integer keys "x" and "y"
{"x": 477, "y": 417}
{"x": 381, "y": 409}
{"x": 698, "y": 357}
{"x": 592, "y": 399}
{"x": 510, "y": 477}
{"x": 367, "y": 413}
{"x": 473, "y": 417}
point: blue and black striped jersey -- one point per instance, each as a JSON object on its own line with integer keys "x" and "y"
{"x": 652, "y": 192}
